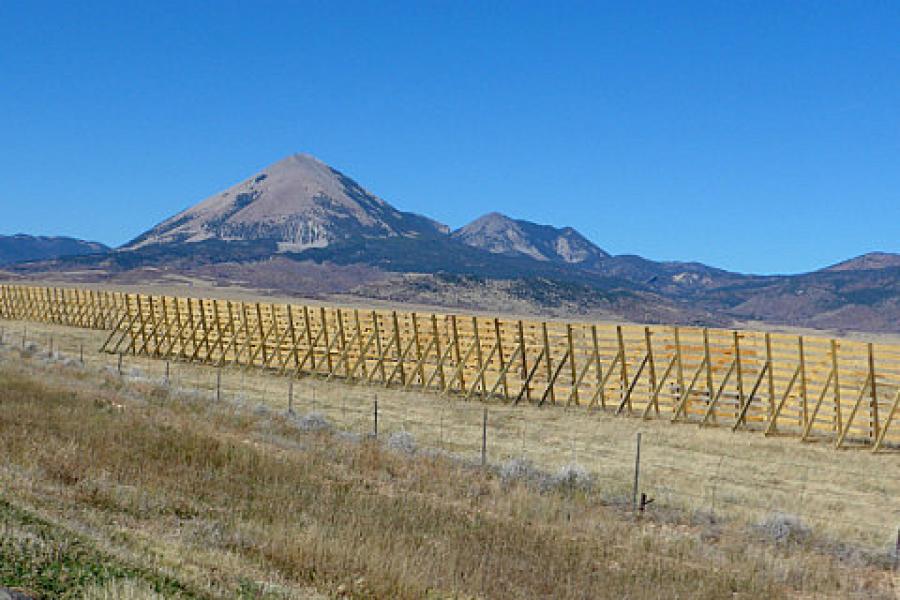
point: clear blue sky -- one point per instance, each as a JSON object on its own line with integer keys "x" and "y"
{"x": 753, "y": 136}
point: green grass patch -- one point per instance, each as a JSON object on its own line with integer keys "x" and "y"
{"x": 48, "y": 561}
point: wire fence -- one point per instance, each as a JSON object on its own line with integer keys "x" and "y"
{"x": 852, "y": 497}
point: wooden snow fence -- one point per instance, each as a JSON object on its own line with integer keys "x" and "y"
{"x": 815, "y": 388}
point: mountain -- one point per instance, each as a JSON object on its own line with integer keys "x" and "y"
{"x": 499, "y": 234}
{"x": 862, "y": 300}
{"x": 299, "y": 203}
{"x": 21, "y": 247}
{"x": 868, "y": 262}
{"x": 303, "y": 228}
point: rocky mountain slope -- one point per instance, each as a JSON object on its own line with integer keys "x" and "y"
{"x": 299, "y": 203}
{"x": 500, "y": 234}
{"x": 21, "y": 247}
{"x": 302, "y": 227}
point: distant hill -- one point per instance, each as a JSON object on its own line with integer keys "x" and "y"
{"x": 500, "y": 234}
{"x": 867, "y": 262}
{"x": 302, "y": 227}
{"x": 21, "y": 247}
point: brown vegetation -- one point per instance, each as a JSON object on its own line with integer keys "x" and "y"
{"x": 232, "y": 502}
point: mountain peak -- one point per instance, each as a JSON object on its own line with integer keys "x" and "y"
{"x": 500, "y": 234}
{"x": 299, "y": 202}
{"x": 489, "y": 221}
{"x": 297, "y": 159}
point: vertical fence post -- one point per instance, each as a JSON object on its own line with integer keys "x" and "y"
{"x": 484, "y": 438}
{"x": 291, "y": 397}
{"x": 168, "y": 378}
{"x": 804, "y": 415}
{"x": 50, "y": 352}
{"x": 637, "y": 472}
{"x": 219, "y": 384}
{"x": 24, "y": 336}
{"x": 771, "y": 376}
{"x": 873, "y": 403}
{"x": 897, "y": 552}
{"x": 376, "y": 416}
{"x": 119, "y": 368}
{"x": 81, "y": 353}
{"x": 837, "y": 423}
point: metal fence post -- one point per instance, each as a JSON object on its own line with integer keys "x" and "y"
{"x": 291, "y": 397}
{"x": 637, "y": 471}
{"x": 484, "y": 438}
{"x": 376, "y": 416}
{"x": 897, "y": 552}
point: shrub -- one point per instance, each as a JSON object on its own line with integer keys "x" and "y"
{"x": 572, "y": 477}
{"x": 402, "y": 441}
{"x": 518, "y": 468}
{"x": 783, "y": 528}
{"x": 313, "y": 422}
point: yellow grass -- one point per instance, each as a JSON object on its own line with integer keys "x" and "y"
{"x": 849, "y": 496}
{"x": 236, "y": 501}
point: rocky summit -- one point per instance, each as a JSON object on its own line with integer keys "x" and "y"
{"x": 299, "y": 202}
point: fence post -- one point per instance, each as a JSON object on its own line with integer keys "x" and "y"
{"x": 50, "y": 353}
{"x": 897, "y": 552}
{"x": 120, "y": 364}
{"x": 81, "y": 354}
{"x": 637, "y": 472}
{"x": 168, "y": 379}
{"x": 24, "y": 335}
{"x": 219, "y": 384}
{"x": 376, "y": 416}
{"x": 291, "y": 397}
{"x": 484, "y": 438}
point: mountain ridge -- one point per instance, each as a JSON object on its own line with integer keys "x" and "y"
{"x": 302, "y": 227}
{"x": 500, "y": 234}
{"x": 867, "y": 262}
{"x": 22, "y": 247}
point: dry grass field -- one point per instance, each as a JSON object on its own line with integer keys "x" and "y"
{"x": 194, "y": 492}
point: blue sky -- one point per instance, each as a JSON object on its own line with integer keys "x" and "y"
{"x": 754, "y": 136}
